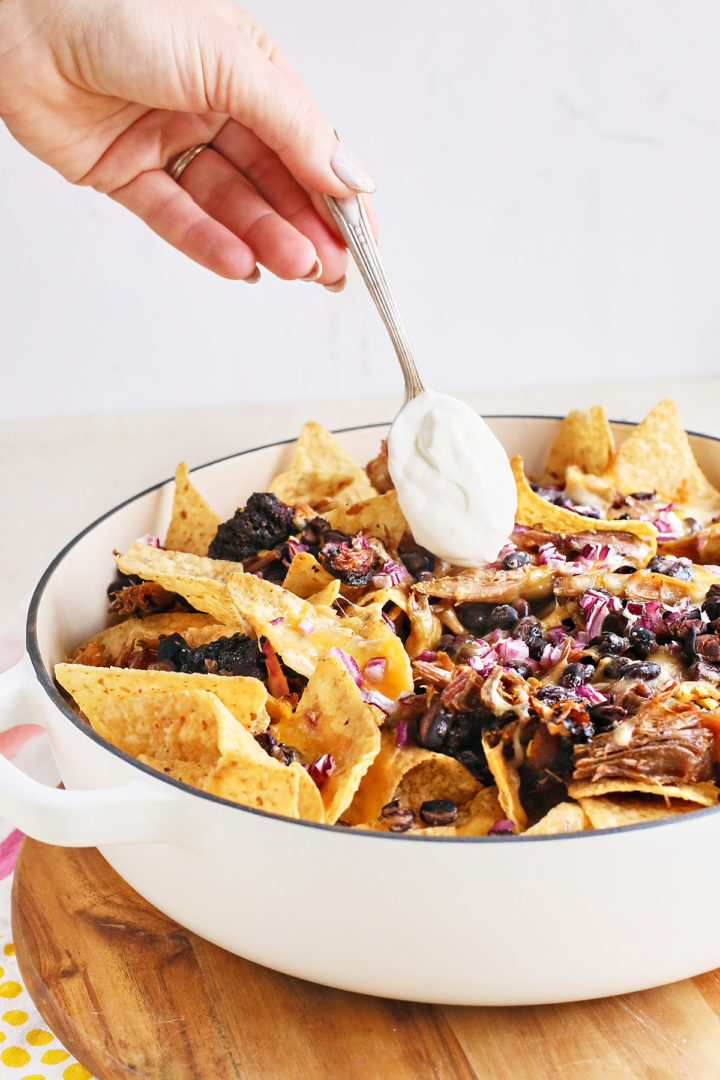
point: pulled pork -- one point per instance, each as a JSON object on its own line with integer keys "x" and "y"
{"x": 666, "y": 743}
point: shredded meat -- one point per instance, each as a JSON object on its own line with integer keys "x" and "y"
{"x": 666, "y": 743}
{"x": 138, "y": 653}
{"x": 378, "y": 472}
{"x": 463, "y": 692}
{"x": 139, "y": 601}
{"x": 91, "y": 653}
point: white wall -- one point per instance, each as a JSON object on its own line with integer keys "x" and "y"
{"x": 549, "y": 194}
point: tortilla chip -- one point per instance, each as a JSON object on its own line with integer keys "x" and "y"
{"x": 566, "y": 817}
{"x": 327, "y": 596}
{"x": 608, "y": 813}
{"x": 111, "y": 642}
{"x": 657, "y": 456}
{"x": 379, "y": 516}
{"x": 704, "y": 794}
{"x": 306, "y": 576}
{"x": 537, "y": 512}
{"x": 321, "y": 470}
{"x": 193, "y": 524}
{"x": 198, "y": 579}
{"x": 333, "y": 719}
{"x": 701, "y": 547}
{"x": 584, "y": 439}
{"x": 506, "y": 777}
{"x": 437, "y": 777}
{"x": 192, "y": 736}
{"x": 699, "y": 693}
{"x": 475, "y": 818}
{"x": 382, "y": 778}
{"x": 244, "y": 697}
{"x": 302, "y": 633}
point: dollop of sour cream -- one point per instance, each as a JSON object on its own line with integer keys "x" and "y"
{"x": 453, "y": 479}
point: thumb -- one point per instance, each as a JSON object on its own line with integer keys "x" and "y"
{"x": 251, "y": 81}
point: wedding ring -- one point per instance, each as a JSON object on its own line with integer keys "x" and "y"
{"x": 177, "y": 165}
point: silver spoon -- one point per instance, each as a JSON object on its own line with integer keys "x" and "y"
{"x": 453, "y": 480}
{"x": 353, "y": 222}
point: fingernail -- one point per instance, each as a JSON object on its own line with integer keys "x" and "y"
{"x": 253, "y": 278}
{"x": 314, "y": 273}
{"x": 352, "y": 173}
{"x": 337, "y": 286}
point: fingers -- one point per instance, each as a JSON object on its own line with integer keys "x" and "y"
{"x": 247, "y": 77}
{"x": 275, "y": 184}
{"x": 228, "y": 197}
{"x": 172, "y": 214}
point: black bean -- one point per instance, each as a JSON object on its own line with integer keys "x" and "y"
{"x": 400, "y": 818}
{"x": 553, "y": 695}
{"x": 609, "y": 644}
{"x": 502, "y": 617}
{"x": 708, "y": 647}
{"x": 674, "y": 568}
{"x": 611, "y": 624}
{"x": 473, "y": 615}
{"x": 642, "y": 641}
{"x": 702, "y": 671}
{"x": 438, "y": 812}
{"x": 606, "y": 716}
{"x": 515, "y": 560}
{"x": 522, "y": 607}
{"x": 418, "y": 562}
{"x": 524, "y": 669}
{"x": 576, "y": 674}
{"x": 711, "y": 607}
{"x": 433, "y": 727}
{"x": 614, "y": 668}
{"x": 643, "y": 669}
{"x": 529, "y": 629}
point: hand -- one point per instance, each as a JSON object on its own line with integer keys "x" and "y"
{"x": 109, "y": 91}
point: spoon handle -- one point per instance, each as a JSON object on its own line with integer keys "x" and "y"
{"x": 355, "y": 227}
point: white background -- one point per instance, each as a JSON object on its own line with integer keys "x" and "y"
{"x": 549, "y": 196}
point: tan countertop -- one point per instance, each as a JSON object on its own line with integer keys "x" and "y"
{"x": 58, "y": 475}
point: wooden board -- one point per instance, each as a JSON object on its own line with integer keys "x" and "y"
{"x": 133, "y": 995}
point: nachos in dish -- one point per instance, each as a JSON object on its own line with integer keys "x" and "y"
{"x": 308, "y": 658}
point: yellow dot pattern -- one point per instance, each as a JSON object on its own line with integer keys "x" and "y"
{"x": 15, "y": 1017}
{"x": 29, "y": 1051}
{"x": 14, "y": 1055}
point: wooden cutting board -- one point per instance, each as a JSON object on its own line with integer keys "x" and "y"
{"x": 133, "y": 995}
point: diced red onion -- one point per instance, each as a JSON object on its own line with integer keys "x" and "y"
{"x": 359, "y": 541}
{"x": 374, "y": 697}
{"x": 321, "y": 768}
{"x": 597, "y": 606}
{"x": 277, "y": 682}
{"x": 591, "y": 695}
{"x": 276, "y": 622}
{"x": 151, "y": 541}
{"x": 548, "y": 553}
{"x": 595, "y": 552}
{"x": 503, "y": 827}
{"x": 306, "y": 626}
{"x": 483, "y": 664}
{"x": 295, "y": 547}
{"x": 550, "y": 655}
{"x": 557, "y": 634}
{"x": 494, "y": 636}
{"x": 402, "y": 734}
{"x": 428, "y": 655}
{"x": 350, "y": 663}
{"x": 506, "y": 550}
{"x": 390, "y": 574}
{"x": 512, "y": 649}
{"x": 375, "y": 669}
{"x": 668, "y": 524}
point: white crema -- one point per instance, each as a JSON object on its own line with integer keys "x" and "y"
{"x": 453, "y": 479}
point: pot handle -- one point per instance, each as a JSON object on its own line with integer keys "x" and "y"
{"x": 132, "y": 813}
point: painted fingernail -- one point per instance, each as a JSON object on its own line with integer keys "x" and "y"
{"x": 352, "y": 173}
{"x": 253, "y": 278}
{"x": 337, "y": 286}
{"x": 314, "y": 273}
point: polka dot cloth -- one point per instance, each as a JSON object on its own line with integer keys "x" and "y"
{"x": 28, "y": 1050}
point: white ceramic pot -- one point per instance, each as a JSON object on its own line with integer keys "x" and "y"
{"x": 493, "y": 921}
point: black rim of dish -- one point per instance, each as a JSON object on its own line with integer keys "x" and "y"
{"x": 48, "y": 684}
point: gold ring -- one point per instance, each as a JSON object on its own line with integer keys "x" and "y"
{"x": 177, "y": 165}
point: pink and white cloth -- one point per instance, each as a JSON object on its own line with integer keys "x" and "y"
{"x": 28, "y": 1050}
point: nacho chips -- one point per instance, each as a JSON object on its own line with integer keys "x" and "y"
{"x": 193, "y": 524}
{"x": 583, "y": 440}
{"x": 321, "y": 472}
